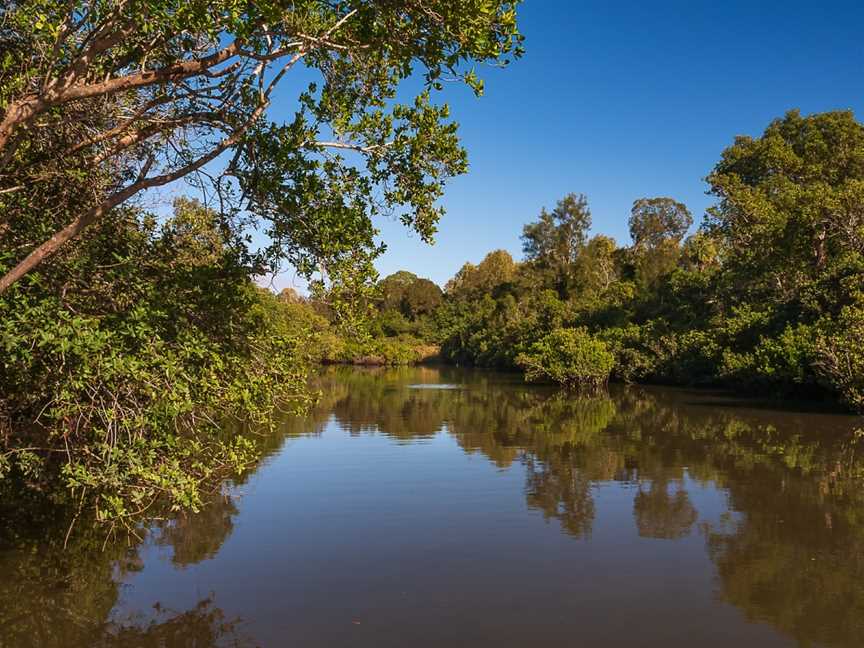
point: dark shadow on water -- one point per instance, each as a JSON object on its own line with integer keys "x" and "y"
{"x": 714, "y": 397}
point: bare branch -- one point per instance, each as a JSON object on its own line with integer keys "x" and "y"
{"x": 353, "y": 147}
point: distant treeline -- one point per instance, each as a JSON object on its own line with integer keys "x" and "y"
{"x": 767, "y": 294}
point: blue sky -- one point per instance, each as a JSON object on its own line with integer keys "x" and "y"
{"x": 621, "y": 100}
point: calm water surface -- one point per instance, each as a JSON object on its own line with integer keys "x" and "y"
{"x": 426, "y": 507}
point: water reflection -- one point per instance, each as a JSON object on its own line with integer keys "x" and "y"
{"x": 197, "y": 537}
{"x": 54, "y": 596}
{"x": 787, "y": 548}
{"x": 661, "y": 514}
{"x": 790, "y": 551}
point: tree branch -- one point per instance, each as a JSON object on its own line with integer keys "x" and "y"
{"x": 353, "y": 147}
{"x": 20, "y": 113}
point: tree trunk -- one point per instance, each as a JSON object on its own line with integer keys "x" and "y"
{"x": 18, "y": 114}
{"x": 50, "y": 246}
{"x": 819, "y": 248}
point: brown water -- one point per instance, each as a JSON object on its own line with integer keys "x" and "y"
{"x": 426, "y": 507}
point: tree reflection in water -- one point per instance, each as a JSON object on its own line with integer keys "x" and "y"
{"x": 789, "y": 552}
{"x": 204, "y": 625}
{"x": 56, "y": 596}
{"x": 661, "y": 514}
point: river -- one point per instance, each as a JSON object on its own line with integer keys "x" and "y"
{"x": 432, "y": 507}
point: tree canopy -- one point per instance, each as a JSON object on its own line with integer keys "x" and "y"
{"x": 495, "y": 269}
{"x": 767, "y": 295}
{"x": 554, "y": 241}
{"x": 790, "y": 211}
{"x": 409, "y": 294}
{"x": 147, "y": 92}
{"x": 655, "y": 220}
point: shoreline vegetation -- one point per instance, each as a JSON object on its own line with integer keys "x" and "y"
{"x": 697, "y": 310}
{"x": 135, "y": 345}
{"x": 421, "y": 354}
{"x": 765, "y": 297}
{"x": 136, "y": 342}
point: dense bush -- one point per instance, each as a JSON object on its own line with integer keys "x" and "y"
{"x": 633, "y": 359}
{"x": 570, "y": 357}
{"x": 129, "y": 362}
{"x": 396, "y": 328}
{"x": 385, "y": 351}
{"x": 840, "y": 353}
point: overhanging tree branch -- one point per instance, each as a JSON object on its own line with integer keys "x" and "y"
{"x": 119, "y": 82}
{"x": 78, "y": 225}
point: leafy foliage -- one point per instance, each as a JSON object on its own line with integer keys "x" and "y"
{"x": 134, "y": 345}
{"x": 555, "y": 240}
{"x": 410, "y": 295}
{"x": 569, "y": 357}
{"x": 127, "y": 365}
{"x": 148, "y": 92}
{"x": 840, "y": 352}
{"x": 765, "y": 296}
{"x": 656, "y": 220}
{"x": 496, "y": 269}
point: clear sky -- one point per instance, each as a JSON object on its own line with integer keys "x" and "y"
{"x": 622, "y": 100}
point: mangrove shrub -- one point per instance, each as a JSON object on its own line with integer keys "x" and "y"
{"x": 570, "y": 357}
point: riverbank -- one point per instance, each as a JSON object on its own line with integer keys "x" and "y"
{"x": 381, "y": 352}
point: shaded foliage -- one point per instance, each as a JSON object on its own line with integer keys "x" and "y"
{"x": 131, "y": 357}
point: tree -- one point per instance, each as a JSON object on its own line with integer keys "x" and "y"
{"x": 766, "y": 296}
{"x": 290, "y": 296}
{"x": 496, "y": 268}
{"x": 595, "y": 269}
{"x": 409, "y": 294}
{"x": 558, "y": 236}
{"x": 151, "y": 335}
{"x": 791, "y": 207}
{"x": 572, "y": 358}
{"x": 554, "y": 241}
{"x": 657, "y": 226}
{"x": 159, "y": 90}
{"x": 421, "y": 298}
{"x": 655, "y": 220}
{"x": 393, "y": 288}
